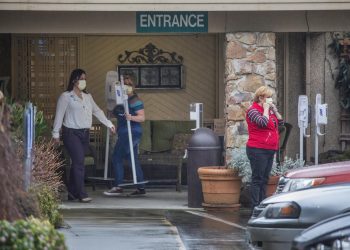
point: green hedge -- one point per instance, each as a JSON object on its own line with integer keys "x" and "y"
{"x": 48, "y": 204}
{"x": 30, "y": 234}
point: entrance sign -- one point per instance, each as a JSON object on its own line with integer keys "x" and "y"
{"x": 155, "y": 22}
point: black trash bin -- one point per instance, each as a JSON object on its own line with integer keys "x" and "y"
{"x": 203, "y": 149}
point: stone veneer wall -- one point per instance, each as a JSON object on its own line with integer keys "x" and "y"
{"x": 250, "y": 63}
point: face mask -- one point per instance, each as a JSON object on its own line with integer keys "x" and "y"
{"x": 269, "y": 100}
{"x": 82, "y": 84}
{"x": 128, "y": 89}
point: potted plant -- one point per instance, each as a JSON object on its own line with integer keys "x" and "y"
{"x": 221, "y": 185}
{"x": 241, "y": 162}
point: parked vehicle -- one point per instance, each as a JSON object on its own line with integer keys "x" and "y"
{"x": 332, "y": 233}
{"x": 306, "y": 177}
{"x": 279, "y": 218}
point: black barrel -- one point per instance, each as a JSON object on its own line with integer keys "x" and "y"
{"x": 204, "y": 149}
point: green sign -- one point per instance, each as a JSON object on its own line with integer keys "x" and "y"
{"x": 155, "y": 22}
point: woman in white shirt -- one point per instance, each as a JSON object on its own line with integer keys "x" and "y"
{"x": 74, "y": 111}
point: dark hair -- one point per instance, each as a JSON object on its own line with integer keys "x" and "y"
{"x": 74, "y": 77}
{"x": 131, "y": 75}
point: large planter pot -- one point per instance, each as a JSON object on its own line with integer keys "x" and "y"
{"x": 220, "y": 187}
{"x": 272, "y": 185}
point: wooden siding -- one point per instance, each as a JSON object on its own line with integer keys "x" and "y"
{"x": 199, "y": 53}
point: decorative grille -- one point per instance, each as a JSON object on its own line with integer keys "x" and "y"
{"x": 152, "y": 67}
{"x": 41, "y": 69}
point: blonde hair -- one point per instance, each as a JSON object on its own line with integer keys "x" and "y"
{"x": 263, "y": 91}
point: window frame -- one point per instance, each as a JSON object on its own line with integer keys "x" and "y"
{"x": 138, "y": 69}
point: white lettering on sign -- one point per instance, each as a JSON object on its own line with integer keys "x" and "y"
{"x": 167, "y": 20}
{"x": 183, "y": 21}
{"x": 172, "y": 21}
{"x": 143, "y": 20}
{"x": 175, "y": 22}
{"x": 200, "y": 20}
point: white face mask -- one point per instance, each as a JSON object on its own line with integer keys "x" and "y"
{"x": 82, "y": 84}
{"x": 269, "y": 100}
{"x": 128, "y": 89}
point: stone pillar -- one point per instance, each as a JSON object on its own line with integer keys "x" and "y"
{"x": 249, "y": 63}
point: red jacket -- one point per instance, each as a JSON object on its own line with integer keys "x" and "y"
{"x": 265, "y": 138}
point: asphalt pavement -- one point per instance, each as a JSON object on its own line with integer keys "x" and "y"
{"x": 160, "y": 220}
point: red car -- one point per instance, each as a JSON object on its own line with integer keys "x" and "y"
{"x": 306, "y": 177}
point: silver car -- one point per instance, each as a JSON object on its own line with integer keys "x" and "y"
{"x": 278, "y": 219}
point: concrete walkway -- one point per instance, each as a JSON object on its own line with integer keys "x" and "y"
{"x": 161, "y": 220}
{"x": 119, "y": 229}
{"x": 156, "y": 198}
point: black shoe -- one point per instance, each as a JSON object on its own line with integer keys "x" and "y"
{"x": 138, "y": 192}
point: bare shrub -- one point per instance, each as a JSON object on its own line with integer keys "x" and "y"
{"x": 47, "y": 165}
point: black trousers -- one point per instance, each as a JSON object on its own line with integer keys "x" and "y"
{"x": 76, "y": 141}
{"x": 261, "y": 161}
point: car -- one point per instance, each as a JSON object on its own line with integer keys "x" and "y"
{"x": 306, "y": 177}
{"x": 332, "y": 233}
{"x": 280, "y": 218}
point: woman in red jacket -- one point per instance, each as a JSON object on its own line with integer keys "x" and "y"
{"x": 263, "y": 119}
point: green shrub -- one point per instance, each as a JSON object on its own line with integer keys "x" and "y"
{"x": 17, "y": 115}
{"x": 240, "y": 162}
{"x": 31, "y": 234}
{"x": 333, "y": 156}
{"x": 286, "y": 165}
{"x": 45, "y": 183}
{"x": 48, "y": 204}
{"x": 46, "y": 180}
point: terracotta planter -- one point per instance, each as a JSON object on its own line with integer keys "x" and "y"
{"x": 221, "y": 188}
{"x": 272, "y": 185}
